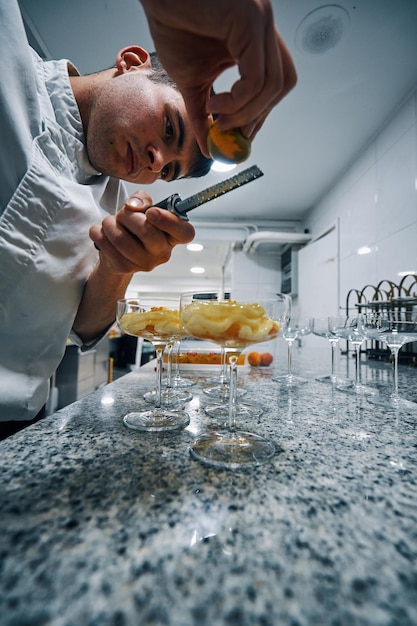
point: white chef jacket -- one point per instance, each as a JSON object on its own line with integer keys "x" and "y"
{"x": 49, "y": 197}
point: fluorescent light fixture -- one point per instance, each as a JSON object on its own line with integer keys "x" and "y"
{"x": 197, "y": 270}
{"x": 195, "y": 247}
{"x": 222, "y": 167}
{"x": 364, "y": 250}
{"x": 407, "y": 273}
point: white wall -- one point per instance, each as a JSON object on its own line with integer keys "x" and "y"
{"x": 375, "y": 205}
{"x": 318, "y": 279}
{"x": 254, "y": 271}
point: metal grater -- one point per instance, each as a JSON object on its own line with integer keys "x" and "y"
{"x": 180, "y": 207}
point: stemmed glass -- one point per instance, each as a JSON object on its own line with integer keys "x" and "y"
{"x": 295, "y": 329}
{"x": 395, "y": 329}
{"x": 159, "y": 325}
{"x": 220, "y": 409}
{"x": 178, "y": 381}
{"x": 170, "y": 395}
{"x": 235, "y": 321}
{"x": 351, "y": 329}
{"x": 320, "y": 328}
{"x": 220, "y": 389}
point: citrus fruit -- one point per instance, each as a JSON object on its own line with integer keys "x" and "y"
{"x": 254, "y": 359}
{"x": 228, "y": 146}
{"x": 266, "y": 358}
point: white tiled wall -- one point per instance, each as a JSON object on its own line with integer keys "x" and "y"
{"x": 255, "y": 271}
{"x": 375, "y": 205}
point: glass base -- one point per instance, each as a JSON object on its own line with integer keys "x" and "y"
{"x": 290, "y": 380}
{"x": 156, "y": 421}
{"x": 222, "y": 391}
{"x": 358, "y": 389}
{"x": 244, "y": 409}
{"x": 180, "y": 383}
{"x": 337, "y": 381}
{"x": 232, "y": 450}
{"x": 169, "y": 396}
{"x": 392, "y": 402}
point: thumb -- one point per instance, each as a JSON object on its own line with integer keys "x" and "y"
{"x": 139, "y": 201}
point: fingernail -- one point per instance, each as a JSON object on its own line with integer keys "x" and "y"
{"x": 135, "y": 203}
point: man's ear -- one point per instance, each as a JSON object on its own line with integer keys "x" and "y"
{"x": 132, "y": 57}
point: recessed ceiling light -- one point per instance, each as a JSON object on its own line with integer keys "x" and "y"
{"x": 364, "y": 250}
{"x": 222, "y": 167}
{"x": 195, "y": 247}
{"x": 197, "y": 270}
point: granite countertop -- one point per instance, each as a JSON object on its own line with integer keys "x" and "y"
{"x": 104, "y": 526}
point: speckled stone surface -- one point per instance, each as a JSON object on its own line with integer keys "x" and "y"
{"x": 104, "y": 526}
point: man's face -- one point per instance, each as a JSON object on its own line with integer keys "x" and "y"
{"x": 139, "y": 130}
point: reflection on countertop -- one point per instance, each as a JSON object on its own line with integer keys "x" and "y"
{"x": 102, "y": 525}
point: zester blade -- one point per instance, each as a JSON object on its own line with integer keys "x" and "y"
{"x": 181, "y": 207}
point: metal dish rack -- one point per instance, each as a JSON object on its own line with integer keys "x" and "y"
{"x": 387, "y": 296}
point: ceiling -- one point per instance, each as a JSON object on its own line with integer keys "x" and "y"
{"x": 356, "y": 62}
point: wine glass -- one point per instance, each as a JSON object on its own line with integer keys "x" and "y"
{"x": 295, "y": 329}
{"x": 235, "y": 321}
{"x": 178, "y": 381}
{"x": 350, "y": 327}
{"x": 320, "y": 328}
{"x": 220, "y": 409}
{"x": 159, "y": 325}
{"x": 395, "y": 329}
{"x": 169, "y": 395}
{"x": 221, "y": 392}
{"x": 221, "y": 387}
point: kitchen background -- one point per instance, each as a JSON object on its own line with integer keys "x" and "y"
{"x": 336, "y": 208}
{"x": 365, "y": 227}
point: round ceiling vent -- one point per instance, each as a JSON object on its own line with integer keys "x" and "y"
{"x": 322, "y": 29}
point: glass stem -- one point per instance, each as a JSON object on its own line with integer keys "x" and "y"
{"x": 223, "y": 371}
{"x": 395, "y": 351}
{"x": 290, "y": 342}
{"x": 168, "y": 350}
{"x": 232, "y": 392}
{"x": 177, "y": 346}
{"x": 358, "y": 366}
{"x": 159, "y": 353}
{"x": 224, "y": 378}
{"x": 334, "y": 345}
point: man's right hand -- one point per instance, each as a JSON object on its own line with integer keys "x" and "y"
{"x": 139, "y": 237}
{"x": 197, "y": 40}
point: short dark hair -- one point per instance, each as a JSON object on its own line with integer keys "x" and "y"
{"x": 201, "y": 165}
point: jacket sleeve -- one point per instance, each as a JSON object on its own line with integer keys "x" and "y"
{"x": 20, "y": 118}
